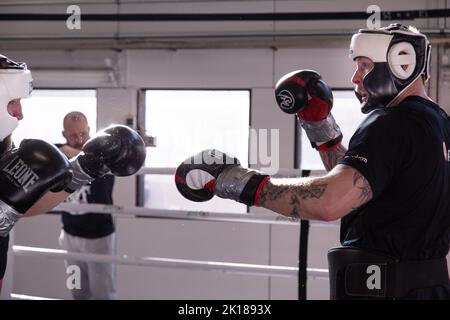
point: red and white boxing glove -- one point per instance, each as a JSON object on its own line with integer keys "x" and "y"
{"x": 305, "y": 93}
{"x": 212, "y": 172}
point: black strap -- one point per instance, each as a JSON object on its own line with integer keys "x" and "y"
{"x": 248, "y": 194}
{"x": 330, "y": 143}
{"x": 4, "y": 245}
{"x": 303, "y": 253}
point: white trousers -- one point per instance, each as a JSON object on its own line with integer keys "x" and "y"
{"x": 98, "y": 279}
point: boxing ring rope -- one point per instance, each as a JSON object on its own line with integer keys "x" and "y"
{"x": 281, "y": 173}
{"x": 16, "y": 296}
{"x": 133, "y": 212}
{"x": 185, "y": 264}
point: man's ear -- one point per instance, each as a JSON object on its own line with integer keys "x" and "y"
{"x": 424, "y": 78}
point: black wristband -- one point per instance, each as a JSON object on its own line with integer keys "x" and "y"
{"x": 248, "y": 194}
{"x": 68, "y": 190}
{"x": 330, "y": 143}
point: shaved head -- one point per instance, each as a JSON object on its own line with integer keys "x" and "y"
{"x": 74, "y": 116}
{"x": 76, "y": 129}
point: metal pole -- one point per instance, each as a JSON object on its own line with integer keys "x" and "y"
{"x": 304, "y": 224}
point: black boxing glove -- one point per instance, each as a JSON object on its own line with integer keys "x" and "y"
{"x": 116, "y": 150}
{"x": 305, "y": 93}
{"x": 212, "y": 172}
{"x": 26, "y": 174}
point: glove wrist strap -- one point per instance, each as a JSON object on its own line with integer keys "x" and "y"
{"x": 8, "y": 217}
{"x": 239, "y": 184}
{"x": 79, "y": 177}
{"x": 328, "y": 146}
{"x": 324, "y": 132}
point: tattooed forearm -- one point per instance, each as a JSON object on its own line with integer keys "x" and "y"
{"x": 295, "y": 204}
{"x": 361, "y": 183}
{"x": 290, "y": 196}
{"x": 273, "y": 192}
{"x": 331, "y": 158}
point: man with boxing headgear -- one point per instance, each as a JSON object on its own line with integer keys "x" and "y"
{"x": 27, "y": 172}
{"x": 390, "y": 187}
{"x": 36, "y": 176}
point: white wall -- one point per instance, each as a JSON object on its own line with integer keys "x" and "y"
{"x": 257, "y": 69}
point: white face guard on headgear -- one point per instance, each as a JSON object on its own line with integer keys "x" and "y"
{"x": 400, "y": 56}
{"x": 15, "y": 83}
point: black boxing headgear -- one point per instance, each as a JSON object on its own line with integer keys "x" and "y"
{"x": 400, "y": 56}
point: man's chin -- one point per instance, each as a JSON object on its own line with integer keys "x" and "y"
{"x": 365, "y": 107}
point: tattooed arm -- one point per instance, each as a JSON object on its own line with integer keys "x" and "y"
{"x": 323, "y": 198}
{"x": 330, "y": 158}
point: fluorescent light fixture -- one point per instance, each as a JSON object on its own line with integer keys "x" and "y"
{"x": 73, "y": 78}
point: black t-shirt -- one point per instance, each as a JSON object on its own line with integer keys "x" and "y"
{"x": 90, "y": 225}
{"x": 403, "y": 154}
{"x": 4, "y": 241}
{"x": 5, "y": 145}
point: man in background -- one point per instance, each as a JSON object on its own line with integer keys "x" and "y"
{"x": 88, "y": 232}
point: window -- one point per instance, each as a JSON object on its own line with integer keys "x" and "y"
{"x": 45, "y": 109}
{"x": 347, "y": 112}
{"x": 184, "y": 123}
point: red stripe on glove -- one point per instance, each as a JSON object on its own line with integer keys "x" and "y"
{"x": 210, "y": 185}
{"x": 258, "y": 191}
{"x": 323, "y": 147}
{"x": 299, "y": 81}
{"x": 180, "y": 180}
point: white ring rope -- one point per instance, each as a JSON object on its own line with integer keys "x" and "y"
{"x": 281, "y": 173}
{"x": 132, "y": 212}
{"x": 17, "y": 296}
{"x": 227, "y": 267}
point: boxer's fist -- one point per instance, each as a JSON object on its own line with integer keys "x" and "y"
{"x": 117, "y": 150}
{"x": 26, "y": 174}
{"x": 212, "y": 172}
{"x": 305, "y": 93}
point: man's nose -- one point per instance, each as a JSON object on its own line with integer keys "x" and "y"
{"x": 356, "y": 78}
